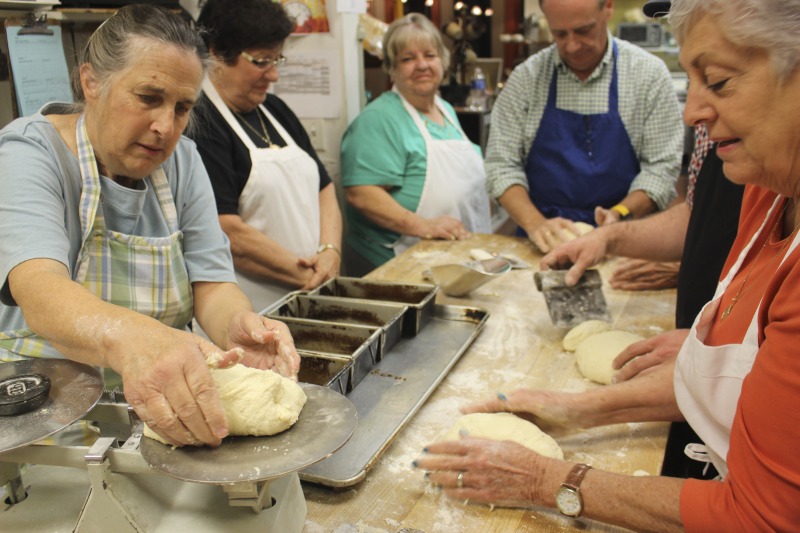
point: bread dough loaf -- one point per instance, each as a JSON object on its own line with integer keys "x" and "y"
{"x": 505, "y": 426}
{"x": 256, "y": 402}
{"x": 596, "y": 353}
{"x": 583, "y": 229}
{"x": 582, "y": 331}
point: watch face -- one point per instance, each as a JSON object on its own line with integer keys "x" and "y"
{"x": 568, "y": 501}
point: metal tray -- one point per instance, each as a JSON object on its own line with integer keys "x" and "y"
{"x": 393, "y": 392}
{"x": 419, "y": 298}
{"x": 317, "y": 369}
{"x": 385, "y": 315}
{"x": 347, "y": 342}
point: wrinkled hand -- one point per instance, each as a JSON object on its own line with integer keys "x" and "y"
{"x": 443, "y": 227}
{"x": 549, "y": 410}
{"x": 641, "y": 275}
{"x": 267, "y": 344}
{"x": 579, "y": 255}
{"x": 603, "y": 216}
{"x": 324, "y": 265}
{"x": 169, "y": 385}
{"x": 642, "y": 356}
{"x": 501, "y": 472}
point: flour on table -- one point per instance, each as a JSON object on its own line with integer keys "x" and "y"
{"x": 596, "y": 353}
{"x": 505, "y": 426}
{"x": 256, "y": 402}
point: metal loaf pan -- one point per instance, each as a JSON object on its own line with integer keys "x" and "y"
{"x": 346, "y": 342}
{"x": 385, "y": 315}
{"x": 330, "y": 372}
{"x": 419, "y": 298}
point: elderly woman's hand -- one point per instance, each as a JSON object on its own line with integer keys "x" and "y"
{"x": 501, "y": 472}
{"x": 266, "y": 344}
{"x": 443, "y": 227}
{"x": 550, "y": 410}
{"x": 641, "y": 275}
{"x": 646, "y": 354}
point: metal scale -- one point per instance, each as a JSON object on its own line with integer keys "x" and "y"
{"x": 126, "y": 483}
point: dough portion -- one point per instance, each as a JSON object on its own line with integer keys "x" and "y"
{"x": 583, "y": 229}
{"x": 596, "y": 353}
{"x": 505, "y": 426}
{"x": 256, "y": 402}
{"x": 582, "y": 331}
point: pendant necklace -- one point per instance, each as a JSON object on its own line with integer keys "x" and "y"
{"x": 741, "y": 290}
{"x": 263, "y": 135}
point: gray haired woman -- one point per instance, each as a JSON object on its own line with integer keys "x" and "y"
{"x": 737, "y": 377}
{"x": 109, "y": 237}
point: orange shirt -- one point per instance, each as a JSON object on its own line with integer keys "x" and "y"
{"x": 762, "y": 489}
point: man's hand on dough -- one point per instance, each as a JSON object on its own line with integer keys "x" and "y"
{"x": 642, "y": 356}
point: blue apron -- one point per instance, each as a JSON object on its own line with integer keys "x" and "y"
{"x": 578, "y": 162}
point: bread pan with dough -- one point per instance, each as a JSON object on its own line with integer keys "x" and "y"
{"x": 385, "y": 315}
{"x": 420, "y": 299}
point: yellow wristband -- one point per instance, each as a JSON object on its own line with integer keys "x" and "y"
{"x": 624, "y": 212}
{"x": 328, "y": 246}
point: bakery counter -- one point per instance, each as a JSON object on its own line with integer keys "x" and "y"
{"x": 518, "y": 347}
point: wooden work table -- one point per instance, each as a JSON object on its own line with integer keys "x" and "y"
{"x": 519, "y": 347}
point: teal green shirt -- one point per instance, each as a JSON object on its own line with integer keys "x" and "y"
{"x": 383, "y": 146}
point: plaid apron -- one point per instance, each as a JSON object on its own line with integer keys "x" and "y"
{"x": 144, "y": 274}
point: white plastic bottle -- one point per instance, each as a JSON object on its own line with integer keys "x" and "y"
{"x": 476, "y": 100}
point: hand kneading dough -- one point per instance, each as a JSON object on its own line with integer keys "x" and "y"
{"x": 583, "y": 330}
{"x": 256, "y": 402}
{"x": 505, "y": 426}
{"x": 596, "y": 353}
{"x": 583, "y": 229}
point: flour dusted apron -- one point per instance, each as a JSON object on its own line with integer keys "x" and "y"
{"x": 455, "y": 182}
{"x": 280, "y": 199}
{"x": 144, "y": 274}
{"x": 708, "y": 379}
{"x": 577, "y": 162}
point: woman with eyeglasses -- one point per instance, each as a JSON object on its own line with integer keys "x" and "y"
{"x": 275, "y": 200}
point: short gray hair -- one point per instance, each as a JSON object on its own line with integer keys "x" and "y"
{"x": 404, "y": 30}
{"x": 770, "y": 25}
{"x": 114, "y": 45}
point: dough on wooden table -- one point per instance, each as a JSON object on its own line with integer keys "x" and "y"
{"x": 596, "y": 353}
{"x": 505, "y": 426}
{"x": 256, "y": 402}
{"x": 583, "y": 229}
{"x": 576, "y": 335}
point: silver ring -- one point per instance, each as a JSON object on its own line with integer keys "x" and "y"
{"x": 460, "y": 480}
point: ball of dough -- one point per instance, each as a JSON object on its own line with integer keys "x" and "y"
{"x": 256, "y": 402}
{"x": 505, "y": 426}
{"x": 582, "y": 331}
{"x": 596, "y": 353}
{"x": 583, "y": 229}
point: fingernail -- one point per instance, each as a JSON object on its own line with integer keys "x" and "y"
{"x": 463, "y": 432}
{"x": 221, "y": 433}
{"x": 414, "y": 464}
{"x": 424, "y": 450}
{"x": 502, "y": 397}
{"x": 427, "y": 476}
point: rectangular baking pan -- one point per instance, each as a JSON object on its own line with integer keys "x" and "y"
{"x": 331, "y": 372}
{"x": 420, "y": 299}
{"x": 358, "y": 344}
{"x": 385, "y": 315}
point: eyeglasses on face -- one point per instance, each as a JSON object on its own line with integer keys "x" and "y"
{"x": 266, "y": 62}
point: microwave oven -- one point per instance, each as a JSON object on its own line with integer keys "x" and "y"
{"x": 644, "y": 34}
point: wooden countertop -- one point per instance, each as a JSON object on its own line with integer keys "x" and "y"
{"x": 519, "y": 347}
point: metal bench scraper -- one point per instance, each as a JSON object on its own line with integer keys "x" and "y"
{"x": 569, "y": 306}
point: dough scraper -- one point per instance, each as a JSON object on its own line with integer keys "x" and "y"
{"x": 569, "y": 306}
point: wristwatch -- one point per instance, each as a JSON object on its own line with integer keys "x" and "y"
{"x": 568, "y": 498}
{"x": 624, "y": 212}
{"x": 328, "y": 246}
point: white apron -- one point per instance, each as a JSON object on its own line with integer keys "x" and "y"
{"x": 455, "y": 182}
{"x": 280, "y": 199}
{"x": 708, "y": 379}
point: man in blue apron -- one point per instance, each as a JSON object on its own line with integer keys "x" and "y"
{"x": 587, "y": 130}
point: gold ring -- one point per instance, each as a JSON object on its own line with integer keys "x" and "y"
{"x": 460, "y": 480}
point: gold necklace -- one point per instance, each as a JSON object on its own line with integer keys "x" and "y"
{"x": 263, "y": 135}
{"x": 741, "y": 290}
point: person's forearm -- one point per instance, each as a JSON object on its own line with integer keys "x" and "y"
{"x": 638, "y": 203}
{"x": 330, "y": 227}
{"x": 257, "y": 255}
{"x": 215, "y": 305}
{"x": 382, "y": 210}
{"x": 516, "y": 201}
{"x": 659, "y": 237}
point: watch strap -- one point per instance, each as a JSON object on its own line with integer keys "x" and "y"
{"x": 328, "y": 246}
{"x": 624, "y": 212}
{"x": 576, "y": 475}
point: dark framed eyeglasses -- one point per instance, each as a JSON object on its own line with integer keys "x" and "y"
{"x": 265, "y": 63}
